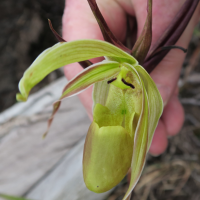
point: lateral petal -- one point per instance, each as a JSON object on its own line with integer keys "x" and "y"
{"x": 151, "y": 112}
{"x": 140, "y": 139}
{"x": 155, "y": 102}
{"x": 140, "y": 147}
{"x": 65, "y": 53}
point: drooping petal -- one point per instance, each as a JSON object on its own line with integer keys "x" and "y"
{"x": 65, "y": 53}
{"x": 107, "y": 157}
{"x": 8, "y": 197}
{"x": 155, "y": 102}
{"x": 150, "y": 114}
{"x": 143, "y": 43}
{"x": 140, "y": 147}
{"x": 140, "y": 138}
{"x": 97, "y": 72}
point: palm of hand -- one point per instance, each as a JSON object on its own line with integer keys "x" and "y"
{"x": 79, "y": 23}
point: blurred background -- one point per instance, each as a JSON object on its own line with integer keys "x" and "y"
{"x": 24, "y": 34}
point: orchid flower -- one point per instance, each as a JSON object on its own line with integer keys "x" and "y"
{"x": 126, "y": 102}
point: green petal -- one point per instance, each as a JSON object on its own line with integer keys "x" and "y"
{"x": 140, "y": 148}
{"x": 65, "y": 53}
{"x": 155, "y": 102}
{"x": 151, "y": 112}
{"x": 105, "y": 150}
{"x": 96, "y": 72}
{"x": 140, "y": 141}
{"x": 8, "y": 197}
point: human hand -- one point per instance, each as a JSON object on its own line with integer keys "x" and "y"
{"x": 79, "y": 23}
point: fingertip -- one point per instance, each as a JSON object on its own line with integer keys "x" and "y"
{"x": 159, "y": 142}
{"x": 173, "y": 116}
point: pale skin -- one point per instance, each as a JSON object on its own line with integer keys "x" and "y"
{"x": 79, "y": 23}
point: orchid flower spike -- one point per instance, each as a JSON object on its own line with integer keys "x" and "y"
{"x": 126, "y": 102}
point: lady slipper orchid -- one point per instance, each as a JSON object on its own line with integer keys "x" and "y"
{"x": 126, "y": 102}
{"x": 127, "y": 107}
